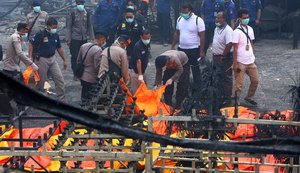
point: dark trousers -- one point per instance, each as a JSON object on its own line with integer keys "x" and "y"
{"x": 226, "y": 66}
{"x": 193, "y": 55}
{"x": 74, "y": 50}
{"x": 163, "y": 20}
{"x": 86, "y": 89}
{"x": 14, "y": 74}
{"x": 255, "y": 30}
{"x": 182, "y": 85}
{"x": 209, "y": 34}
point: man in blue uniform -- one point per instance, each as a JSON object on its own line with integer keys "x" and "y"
{"x": 107, "y": 17}
{"x": 254, "y": 7}
{"x": 209, "y": 11}
{"x": 230, "y": 10}
{"x": 163, "y": 19}
{"x": 129, "y": 26}
{"x": 45, "y": 43}
{"x": 139, "y": 61}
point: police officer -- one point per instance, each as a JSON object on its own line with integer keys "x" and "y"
{"x": 114, "y": 60}
{"x": 177, "y": 69}
{"x": 129, "y": 26}
{"x": 37, "y": 21}
{"x": 230, "y": 10}
{"x": 138, "y": 16}
{"x": 254, "y": 7}
{"x": 79, "y": 28}
{"x": 209, "y": 10}
{"x": 139, "y": 60}
{"x": 90, "y": 55}
{"x": 107, "y": 17}
{"x": 47, "y": 42}
{"x": 14, "y": 55}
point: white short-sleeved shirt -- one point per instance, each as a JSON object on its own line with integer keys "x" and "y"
{"x": 222, "y": 36}
{"x": 189, "y": 31}
{"x": 244, "y": 56}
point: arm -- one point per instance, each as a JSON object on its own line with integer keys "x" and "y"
{"x": 227, "y": 49}
{"x": 258, "y": 15}
{"x": 158, "y": 78}
{"x": 97, "y": 60}
{"x": 124, "y": 67}
{"x": 19, "y": 52}
{"x": 175, "y": 39}
{"x": 203, "y": 9}
{"x": 232, "y": 23}
{"x": 154, "y": 4}
{"x": 235, "y": 64}
{"x": 79, "y": 57}
{"x": 139, "y": 67}
{"x": 202, "y": 42}
{"x": 69, "y": 28}
{"x": 103, "y": 65}
{"x": 62, "y": 55}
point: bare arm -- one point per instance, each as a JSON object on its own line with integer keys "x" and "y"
{"x": 175, "y": 39}
{"x": 202, "y": 42}
{"x": 258, "y": 15}
{"x": 139, "y": 67}
{"x": 227, "y": 49}
{"x": 62, "y": 55}
{"x": 235, "y": 47}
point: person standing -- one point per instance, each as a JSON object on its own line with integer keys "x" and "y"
{"x": 163, "y": 19}
{"x": 37, "y": 21}
{"x": 243, "y": 57}
{"x": 230, "y": 10}
{"x": 15, "y": 54}
{"x": 139, "y": 61}
{"x": 129, "y": 26}
{"x": 209, "y": 10}
{"x": 46, "y": 42}
{"x": 79, "y": 29}
{"x": 90, "y": 55}
{"x": 222, "y": 57}
{"x": 107, "y": 17}
{"x": 190, "y": 32}
{"x": 114, "y": 60}
{"x": 177, "y": 69}
{"x": 254, "y": 8}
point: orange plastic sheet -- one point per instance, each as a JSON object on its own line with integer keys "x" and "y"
{"x": 149, "y": 100}
{"x": 28, "y": 72}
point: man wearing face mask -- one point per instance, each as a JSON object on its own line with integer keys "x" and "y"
{"x": 243, "y": 57}
{"x": 90, "y": 55}
{"x": 141, "y": 20}
{"x": 15, "y": 54}
{"x": 175, "y": 67}
{"x": 209, "y": 10}
{"x": 222, "y": 43}
{"x": 129, "y": 26}
{"x": 37, "y": 21}
{"x": 46, "y": 43}
{"x": 139, "y": 61}
{"x": 114, "y": 60}
{"x": 79, "y": 30}
{"x": 190, "y": 31}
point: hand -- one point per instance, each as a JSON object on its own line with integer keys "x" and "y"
{"x": 235, "y": 67}
{"x": 155, "y": 87}
{"x": 202, "y": 54}
{"x": 169, "y": 82}
{"x": 65, "y": 65}
{"x": 34, "y": 67}
{"x": 257, "y": 22}
{"x": 141, "y": 78}
{"x": 173, "y": 48}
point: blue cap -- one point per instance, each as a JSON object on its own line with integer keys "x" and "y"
{"x": 125, "y": 38}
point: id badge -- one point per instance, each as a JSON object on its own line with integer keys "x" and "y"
{"x": 247, "y": 47}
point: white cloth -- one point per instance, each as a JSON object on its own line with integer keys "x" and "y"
{"x": 189, "y": 31}
{"x": 222, "y": 37}
{"x": 244, "y": 56}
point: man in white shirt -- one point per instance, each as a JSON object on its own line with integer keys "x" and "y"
{"x": 190, "y": 31}
{"x": 222, "y": 43}
{"x": 243, "y": 57}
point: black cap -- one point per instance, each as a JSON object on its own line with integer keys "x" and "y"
{"x": 36, "y": 3}
{"x": 22, "y": 26}
{"x": 160, "y": 61}
{"x": 125, "y": 38}
{"x": 101, "y": 34}
{"x": 81, "y": 1}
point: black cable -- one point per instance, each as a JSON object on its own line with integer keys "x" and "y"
{"x": 27, "y": 96}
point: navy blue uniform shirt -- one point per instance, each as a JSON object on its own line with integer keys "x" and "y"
{"x": 46, "y": 43}
{"x": 252, "y": 6}
{"x": 142, "y": 52}
{"x": 230, "y": 9}
{"x": 209, "y": 9}
{"x": 163, "y": 6}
